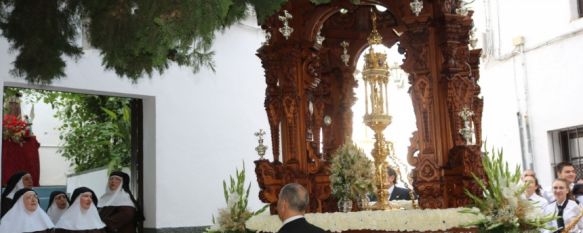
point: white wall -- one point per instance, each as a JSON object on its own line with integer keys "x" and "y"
{"x": 197, "y": 127}
{"x": 53, "y": 167}
{"x": 553, "y": 60}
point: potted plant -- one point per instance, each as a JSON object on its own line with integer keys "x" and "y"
{"x": 351, "y": 175}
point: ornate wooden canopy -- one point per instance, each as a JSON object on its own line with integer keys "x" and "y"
{"x": 308, "y": 82}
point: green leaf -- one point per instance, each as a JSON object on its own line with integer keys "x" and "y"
{"x": 225, "y": 191}
{"x": 266, "y": 8}
{"x": 111, "y": 114}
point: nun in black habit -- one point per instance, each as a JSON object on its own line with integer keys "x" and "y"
{"x": 82, "y": 215}
{"x": 16, "y": 182}
{"x": 58, "y": 204}
{"x": 26, "y": 215}
{"x": 118, "y": 207}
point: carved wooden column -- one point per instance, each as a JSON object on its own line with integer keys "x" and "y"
{"x": 295, "y": 107}
{"x": 462, "y": 92}
{"x": 442, "y": 85}
{"x": 420, "y": 62}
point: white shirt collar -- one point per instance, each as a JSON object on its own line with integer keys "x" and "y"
{"x": 287, "y": 220}
{"x": 391, "y": 190}
{"x": 561, "y": 204}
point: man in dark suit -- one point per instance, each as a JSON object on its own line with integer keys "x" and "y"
{"x": 396, "y": 193}
{"x": 291, "y": 206}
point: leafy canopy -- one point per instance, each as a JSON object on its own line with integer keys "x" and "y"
{"x": 134, "y": 37}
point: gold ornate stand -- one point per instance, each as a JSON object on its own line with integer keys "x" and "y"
{"x": 376, "y": 78}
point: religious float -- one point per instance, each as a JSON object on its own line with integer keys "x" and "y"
{"x": 310, "y": 57}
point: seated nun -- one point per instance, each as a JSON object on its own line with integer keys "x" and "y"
{"x": 118, "y": 207}
{"x": 58, "y": 204}
{"x": 82, "y": 215}
{"x": 16, "y": 182}
{"x": 25, "y": 215}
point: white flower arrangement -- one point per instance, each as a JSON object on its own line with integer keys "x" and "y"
{"x": 393, "y": 220}
{"x": 233, "y": 217}
{"x": 501, "y": 201}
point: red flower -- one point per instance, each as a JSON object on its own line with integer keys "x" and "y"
{"x": 13, "y": 128}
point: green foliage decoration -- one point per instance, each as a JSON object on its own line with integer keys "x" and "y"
{"x": 95, "y": 130}
{"x": 352, "y": 172}
{"x": 134, "y": 37}
{"x": 233, "y": 217}
{"x": 501, "y": 203}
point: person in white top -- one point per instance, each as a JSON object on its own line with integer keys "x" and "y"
{"x": 566, "y": 209}
{"x": 528, "y": 172}
{"x": 532, "y": 192}
{"x": 565, "y": 171}
{"x": 25, "y": 215}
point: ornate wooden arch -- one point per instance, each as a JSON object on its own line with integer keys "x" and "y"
{"x": 443, "y": 73}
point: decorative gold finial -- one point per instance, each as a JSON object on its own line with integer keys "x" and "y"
{"x": 374, "y": 37}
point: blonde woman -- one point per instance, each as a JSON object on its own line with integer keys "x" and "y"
{"x": 564, "y": 207}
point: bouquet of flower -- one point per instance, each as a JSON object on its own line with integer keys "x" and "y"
{"x": 13, "y": 128}
{"x": 232, "y": 218}
{"x": 352, "y": 173}
{"x": 501, "y": 204}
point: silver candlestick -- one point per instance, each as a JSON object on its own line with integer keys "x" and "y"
{"x": 345, "y": 56}
{"x": 467, "y": 131}
{"x": 286, "y": 30}
{"x": 260, "y": 148}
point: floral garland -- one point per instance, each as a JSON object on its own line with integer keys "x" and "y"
{"x": 393, "y": 220}
{"x": 13, "y": 128}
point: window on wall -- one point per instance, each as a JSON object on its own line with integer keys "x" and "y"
{"x": 568, "y": 146}
{"x": 580, "y": 8}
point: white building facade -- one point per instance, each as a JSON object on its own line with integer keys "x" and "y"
{"x": 531, "y": 76}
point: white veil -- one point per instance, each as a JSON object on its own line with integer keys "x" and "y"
{"x": 18, "y": 219}
{"x": 76, "y": 218}
{"x": 118, "y": 197}
{"x": 18, "y": 186}
{"x": 55, "y": 212}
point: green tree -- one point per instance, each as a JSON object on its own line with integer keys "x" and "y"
{"x": 135, "y": 37}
